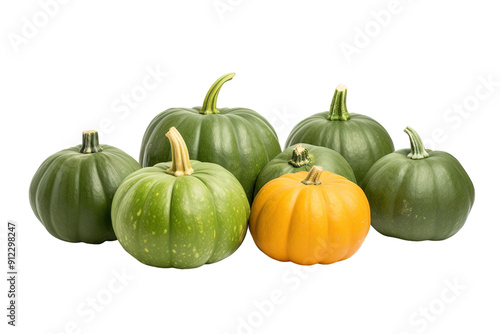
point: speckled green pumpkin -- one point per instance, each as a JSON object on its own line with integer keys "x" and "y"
{"x": 72, "y": 191}
{"x": 303, "y": 157}
{"x": 358, "y": 138}
{"x": 238, "y": 139}
{"x": 181, "y": 221}
{"x": 418, "y": 194}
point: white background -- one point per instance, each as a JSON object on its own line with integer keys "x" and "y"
{"x": 72, "y": 72}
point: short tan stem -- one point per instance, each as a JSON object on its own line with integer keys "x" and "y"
{"x": 300, "y": 156}
{"x": 313, "y": 176}
{"x": 180, "y": 155}
{"x": 90, "y": 142}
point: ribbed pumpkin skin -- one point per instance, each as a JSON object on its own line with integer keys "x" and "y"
{"x": 329, "y": 159}
{"x": 182, "y": 222}
{"x": 71, "y": 192}
{"x": 360, "y": 140}
{"x": 426, "y": 199}
{"x": 239, "y": 139}
{"x": 309, "y": 224}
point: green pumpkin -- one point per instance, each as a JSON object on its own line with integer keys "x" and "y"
{"x": 180, "y": 214}
{"x": 72, "y": 191}
{"x": 301, "y": 158}
{"x": 418, "y": 194}
{"x": 238, "y": 139}
{"x": 359, "y": 139}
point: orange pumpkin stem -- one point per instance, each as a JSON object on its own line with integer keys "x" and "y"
{"x": 180, "y": 155}
{"x": 313, "y": 176}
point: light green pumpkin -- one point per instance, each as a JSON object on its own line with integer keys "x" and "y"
{"x": 180, "y": 214}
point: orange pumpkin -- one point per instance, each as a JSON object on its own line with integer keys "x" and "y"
{"x": 301, "y": 218}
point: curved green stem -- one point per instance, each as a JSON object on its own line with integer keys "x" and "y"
{"x": 417, "y": 147}
{"x": 210, "y": 103}
{"x": 90, "y": 142}
{"x": 312, "y": 177}
{"x": 180, "y": 155}
{"x": 338, "y": 109}
{"x": 300, "y": 157}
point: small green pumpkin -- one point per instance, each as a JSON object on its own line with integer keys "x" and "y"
{"x": 303, "y": 157}
{"x": 72, "y": 191}
{"x": 180, "y": 214}
{"x": 359, "y": 139}
{"x": 238, "y": 139}
{"x": 418, "y": 194}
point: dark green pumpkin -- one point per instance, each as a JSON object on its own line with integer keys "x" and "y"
{"x": 418, "y": 194}
{"x": 239, "y": 139}
{"x": 180, "y": 214}
{"x": 359, "y": 139}
{"x": 303, "y": 157}
{"x": 72, "y": 191}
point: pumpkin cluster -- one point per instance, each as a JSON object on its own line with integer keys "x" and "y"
{"x": 189, "y": 200}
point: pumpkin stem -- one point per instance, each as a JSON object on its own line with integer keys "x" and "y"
{"x": 90, "y": 142}
{"x": 313, "y": 176}
{"x": 338, "y": 109}
{"x": 210, "y": 103}
{"x": 300, "y": 156}
{"x": 417, "y": 147}
{"x": 180, "y": 155}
